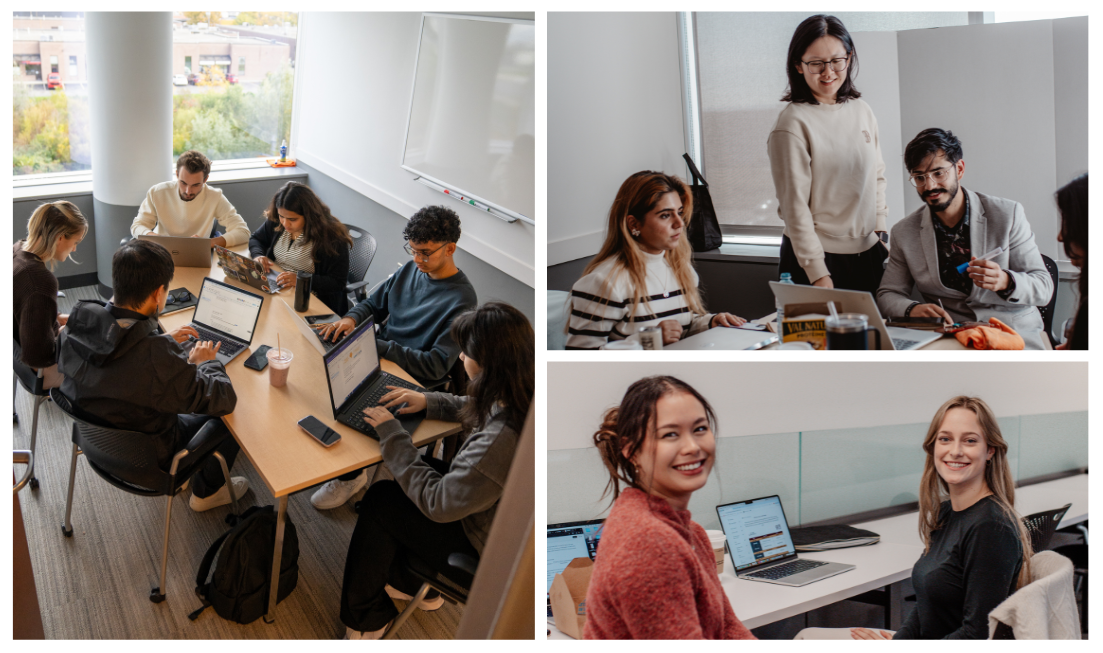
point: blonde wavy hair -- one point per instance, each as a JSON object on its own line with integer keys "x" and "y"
{"x": 49, "y": 222}
{"x": 997, "y": 477}
{"x": 638, "y": 196}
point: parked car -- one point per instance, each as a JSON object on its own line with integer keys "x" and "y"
{"x": 53, "y": 80}
{"x": 231, "y": 78}
{"x": 179, "y": 80}
{"x": 193, "y": 78}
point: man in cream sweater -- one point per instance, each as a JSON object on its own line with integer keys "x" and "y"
{"x": 188, "y": 207}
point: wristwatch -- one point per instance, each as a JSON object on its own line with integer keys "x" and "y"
{"x": 883, "y": 235}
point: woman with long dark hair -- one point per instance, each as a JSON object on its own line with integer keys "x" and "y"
{"x": 825, "y": 155}
{"x": 302, "y": 235}
{"x": 1072, "y": 200}
{"x": 431, "y": 510}
{"x": 656, "y": 575}
{"x": 643, "y": 275}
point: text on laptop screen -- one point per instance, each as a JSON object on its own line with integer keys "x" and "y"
{"x": 227, "y": 309}
{"x": 757, "y": 532}
{"x": 350, "y": 363}
{"x": 566, "y": 544}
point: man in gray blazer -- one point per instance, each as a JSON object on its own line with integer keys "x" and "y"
{"x": 956, "y": 226}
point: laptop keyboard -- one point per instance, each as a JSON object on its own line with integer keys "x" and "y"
{"x": 787, "y": 569}
{"x": 903, "y": 343}
{"x": 354, "y": 417}
{"x": 229, "y": 347}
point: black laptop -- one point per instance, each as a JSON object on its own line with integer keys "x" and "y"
{"x": 356, "y": 381}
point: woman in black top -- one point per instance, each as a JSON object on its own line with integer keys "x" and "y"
{"x": 976, "y": 549}
{"x": 1072, "y": 200}
{"x": 302, "y": 235}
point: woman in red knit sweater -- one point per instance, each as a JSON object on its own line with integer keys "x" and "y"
{"x": 656, "y": 576}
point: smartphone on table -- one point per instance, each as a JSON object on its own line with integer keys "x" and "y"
{"x": 319, "y": 431}
{"x": 259, "y": 359}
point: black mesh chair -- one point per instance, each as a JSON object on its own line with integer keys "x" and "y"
{"x": 455, "y": 587}
{"x": 360, "y": 257}
{"x": 1047, "y": 310}
{"x": 1042, "y": 525}
{"x": 32, "y": 383}
{"x": 128, "y": 460}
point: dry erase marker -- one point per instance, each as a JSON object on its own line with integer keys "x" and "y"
{"x": 995, "y": 252}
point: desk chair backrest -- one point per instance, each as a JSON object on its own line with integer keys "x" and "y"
{"x": 125, "y": 459}
{"x": 1042, "y": 525}
{"x": 1043, "y": 609}
{"x": 559, "y": 311}
{"x": 28, "y": 378}
{"x": 1048, "y": 309}
{"x": 361, "y": 253}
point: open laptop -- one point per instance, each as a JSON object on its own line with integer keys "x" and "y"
{"x": 762, "y": 549}
{"x": 855, "y": 301}
{"x": 247, "y": 271}
{"x": 228, "y": 315}
{"x": 320, "y": 344}
{"x": 568, "y": 541}
{"x": 186, "y": 252}
{"x": 356, "y": 381}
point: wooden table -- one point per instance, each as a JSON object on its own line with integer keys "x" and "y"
{"x": 264, "y": 422}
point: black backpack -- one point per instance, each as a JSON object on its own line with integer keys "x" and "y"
{"x": 238, "y": 588}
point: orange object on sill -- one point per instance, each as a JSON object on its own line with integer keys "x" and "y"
{"x": 276, "y": 163}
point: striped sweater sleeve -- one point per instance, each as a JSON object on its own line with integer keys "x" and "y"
{"x": 597, "y": 311}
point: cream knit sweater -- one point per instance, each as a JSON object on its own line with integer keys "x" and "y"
{"x": 829, "y": 178}
{"x": 163, "y": 212}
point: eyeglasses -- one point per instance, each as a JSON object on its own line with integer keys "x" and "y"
{"x": 422, "y": 253}
{"x": 936, "y": 176}
{"x": 182, "y": 297}
{"x": 838, "y": 65}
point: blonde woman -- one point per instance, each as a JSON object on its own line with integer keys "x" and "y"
{"x": 643, "y": 275}
{"x": 53, "y": 233}
{"x": 976, "y": 551}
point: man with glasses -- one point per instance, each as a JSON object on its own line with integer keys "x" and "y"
{"x": 935, "y": 249}
{"x": 415, "y": 308}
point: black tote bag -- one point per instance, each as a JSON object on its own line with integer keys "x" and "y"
{"x": 704, "y": 229}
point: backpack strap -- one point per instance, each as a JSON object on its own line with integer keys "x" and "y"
{"x": 204, "y": 572}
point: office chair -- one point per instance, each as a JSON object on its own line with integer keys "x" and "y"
{"x": 1042, "y": 525}
{"x": 360, "y": 257}
{"x": 559, "y": 313}
{"x": 1078, "y": 554}
{"x": 1048, "y": 309}
{"x": 128, "y": 460}
{"x": 455, "y": 587}
{"x": 32, "y": 383}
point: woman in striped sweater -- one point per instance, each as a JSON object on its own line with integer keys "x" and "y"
{"x": 643, "y": 275}
{"x": 302, "y": 235}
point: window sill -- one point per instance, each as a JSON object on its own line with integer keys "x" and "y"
{"x": 70, "y": 184}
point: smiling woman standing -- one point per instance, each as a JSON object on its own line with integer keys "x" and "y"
{"x": 643, "y": 275}
{"x": 656, "y": 575}
{"x": 828, "y": 173}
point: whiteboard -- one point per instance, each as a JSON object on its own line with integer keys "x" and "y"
{"x": 472, "y": 121}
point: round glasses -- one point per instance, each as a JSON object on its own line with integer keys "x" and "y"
{"x": 838, "y": 65}
{"x": 423, "y": 254}
{"x": 933, "y": 177}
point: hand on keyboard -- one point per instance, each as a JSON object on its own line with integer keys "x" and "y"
{"x": 403, "y": 399}
{"x": 376, "y": 415}
{"x": 184, "y": 333}
{"x": 204, "y": 351}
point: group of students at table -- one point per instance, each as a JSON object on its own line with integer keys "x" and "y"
{"x": 655, "y": 576}
{"x": 121, "y": 369}
{"x": 829, "y": 179}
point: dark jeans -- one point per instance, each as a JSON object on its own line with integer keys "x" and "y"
{"x": 861, "y": 271}
{"x": 208, "y": 479}
{"x": 390, "y": 527}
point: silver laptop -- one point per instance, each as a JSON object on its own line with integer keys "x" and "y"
{"x": 855, "y": 301}
{"x": 321, "y": 345}
{"x": 761, "y": 548}
{"x": 568, "y": 541}
{"x": 226, "y": 314}
{"x": 186, "y": 252}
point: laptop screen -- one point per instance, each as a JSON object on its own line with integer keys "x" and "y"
{"x": 228, "y": 309}
{"x": 350, "y": 364}
{"x": 757, "y": 532}
{"x": 569, "y": 541}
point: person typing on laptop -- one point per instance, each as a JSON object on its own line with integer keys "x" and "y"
{"x": 430, "y": 509}
{"x": 122, "y": 370}
{"x": 189, "y": 207}
{"x": 953, "y": 229}
{"x": 418, "y": 304}
{"x": 656, "y": 575}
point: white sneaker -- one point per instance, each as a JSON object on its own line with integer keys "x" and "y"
{"x": 336, "y": 492}
{"x": 370, "y": 634}
{"x": 428, "y": 605}
{"x": 222, "y": 497}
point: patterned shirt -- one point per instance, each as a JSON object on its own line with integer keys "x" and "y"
{"x": 297, "y": 255}
{"x": 954, "y": 248}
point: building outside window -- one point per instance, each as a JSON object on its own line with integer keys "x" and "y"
{"x": 187, "y": 65}
{"x": 241, "y": 66}
{"x": 53, "y": 63}
{"x": 72, "y": 66}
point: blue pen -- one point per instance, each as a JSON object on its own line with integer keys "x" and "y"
{"x": 996, "y": 252}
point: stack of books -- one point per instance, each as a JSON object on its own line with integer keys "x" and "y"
{"x": 825, "y": 538}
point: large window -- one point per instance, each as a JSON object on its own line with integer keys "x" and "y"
{"x": 228, "y": 115}
{"x": 51, "y": 125}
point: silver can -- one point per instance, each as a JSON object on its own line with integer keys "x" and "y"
{"x": 651, "y": 337}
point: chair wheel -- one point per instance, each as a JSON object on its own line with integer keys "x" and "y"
{"x": 156, "y": 596}
{"x": 66, "y": 532}
{"x": 34, "y": 483}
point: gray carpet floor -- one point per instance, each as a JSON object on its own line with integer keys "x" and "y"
{"x": 96, "y": 583}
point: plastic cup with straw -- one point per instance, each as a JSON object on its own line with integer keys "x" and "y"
{"x": 279, "y": 363}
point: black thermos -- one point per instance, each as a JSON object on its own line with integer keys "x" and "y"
{"x": 302, "y": 291}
